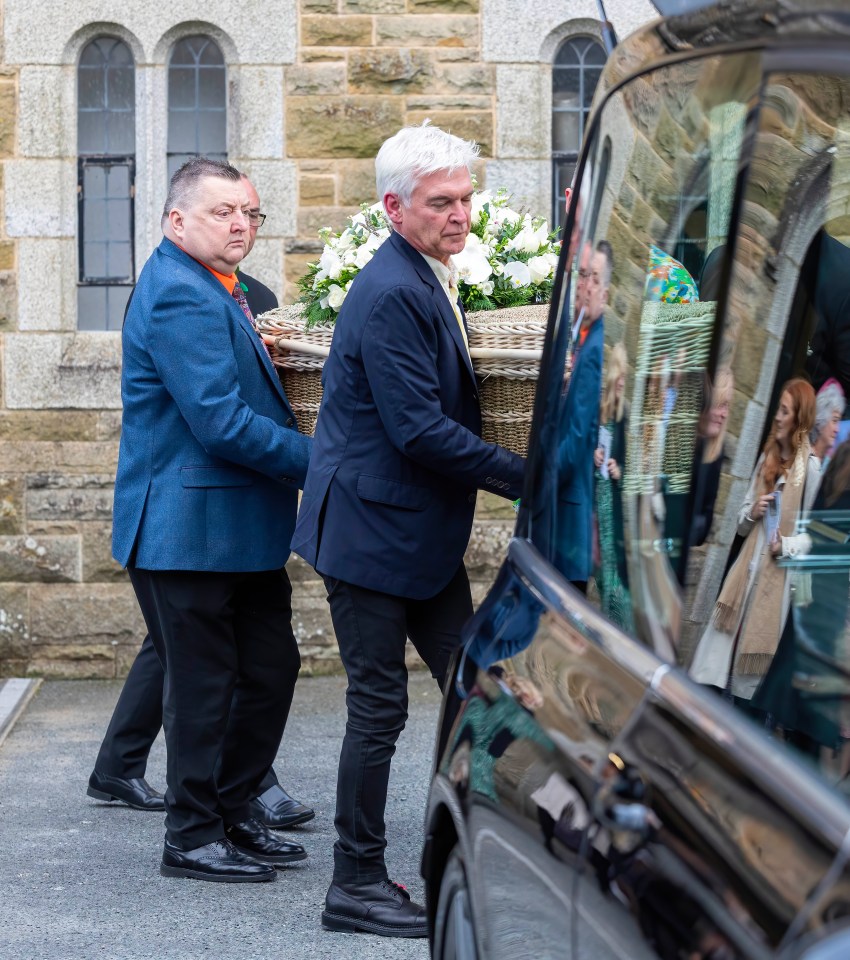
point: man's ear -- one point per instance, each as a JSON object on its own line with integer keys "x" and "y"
{"x": 393, "y": 208}
{"x": 175, "y": 219}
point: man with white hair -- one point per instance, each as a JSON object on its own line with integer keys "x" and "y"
{"x": 390, "y": 495}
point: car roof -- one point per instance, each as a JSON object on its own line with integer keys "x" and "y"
{"x": 699, "y": 25}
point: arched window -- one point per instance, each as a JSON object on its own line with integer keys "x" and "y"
{"x": 575, "y": 73}
{"x": 197, "y": 101}
{"x": 106, "y": 149}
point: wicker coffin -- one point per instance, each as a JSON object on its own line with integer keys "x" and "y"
{"x": 505, "y": 345}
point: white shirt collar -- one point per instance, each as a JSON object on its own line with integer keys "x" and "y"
{"x": 445, "y": 274}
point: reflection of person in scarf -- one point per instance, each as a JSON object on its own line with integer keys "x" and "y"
{"x": 738, "y": 645}
{"x": 493, "y": 718}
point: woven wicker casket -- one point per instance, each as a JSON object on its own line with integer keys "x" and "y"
{"x": 505, "y": 346}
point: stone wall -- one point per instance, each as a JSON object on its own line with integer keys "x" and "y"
{"x": 314, "y": 87}
{"x": 364, "y": 69}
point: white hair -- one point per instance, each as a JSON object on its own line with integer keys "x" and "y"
{"x": 830, "y": 399}
{"x": 416, "y": 152}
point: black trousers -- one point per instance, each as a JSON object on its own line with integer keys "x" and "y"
{"x": 137, "y": 719}
{"x": 371, "y": 629}
{"x": 231, "y": 662}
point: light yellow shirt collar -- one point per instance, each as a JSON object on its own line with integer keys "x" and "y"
{"x": 446, "y": 275}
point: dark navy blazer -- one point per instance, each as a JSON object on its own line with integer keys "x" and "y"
{"x": 579, "y": 438}
{"x": 210, "y": 459}
{"x": 398, "y": 456}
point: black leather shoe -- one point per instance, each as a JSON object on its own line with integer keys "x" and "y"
{"x": 384, "y": 908}
{"x": 136, "y": 793}
{"x": 277, "y": 810}
{"x": 219, "y": 861}
{"x": 256, "y": 840}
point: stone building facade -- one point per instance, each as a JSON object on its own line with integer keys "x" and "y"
{"x": 312, "y": 89}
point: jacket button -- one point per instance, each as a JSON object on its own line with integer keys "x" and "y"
{"x": 287, "y": 480}
{"x": 489, "y": 480}
{"x": 471, "y": 498}
{"x": 290, "y": 422}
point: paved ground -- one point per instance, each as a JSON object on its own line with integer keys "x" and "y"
{"x": 79, "y": 879}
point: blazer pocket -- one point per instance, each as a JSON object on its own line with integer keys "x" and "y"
{"x": 214, "y": 477}
{"x": 394, "y": 493}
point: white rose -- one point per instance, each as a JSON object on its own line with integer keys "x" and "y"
{"x": 479, "y": 200}
{"x": 517, "y": 273}
{"x": 486, "y": 288}
{"x": 367, "y": 250}
{"x": 502, "y": 216}
{"x": 336, "y": 295}
{"x": 540, "y": 269}
{"x": 331, "y": 263}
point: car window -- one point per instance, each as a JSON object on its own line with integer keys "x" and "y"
{"x": 624, "y": 426}
{"x": 766, "y": 605}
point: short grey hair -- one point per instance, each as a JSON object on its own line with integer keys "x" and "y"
{"x": 417, "y": 152}
{"x": 830, "y": 398}
{"x": 185, "y": 180}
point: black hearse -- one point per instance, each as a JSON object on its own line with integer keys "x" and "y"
{"x": 651, "y": 759}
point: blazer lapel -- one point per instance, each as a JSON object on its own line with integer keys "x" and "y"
{"x": 262, "y": 355}
{"x": 171, "y": 249}
{"x": 451, "y": 321}
{"x": 426, "y": 274}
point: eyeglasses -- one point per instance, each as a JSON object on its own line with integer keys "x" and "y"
{"x": 256, "y": 219}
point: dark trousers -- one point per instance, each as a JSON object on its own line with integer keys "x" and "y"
{"x": 231, "y": 662}
{"x": 371, "y": 629}
{"x": 136, "y": 721}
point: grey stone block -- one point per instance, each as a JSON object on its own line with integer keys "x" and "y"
{"x": 86, "y": 614}
{"x": 523, "y": 91}
{"x": 276, "y": 183}
{"x": 46, "y": 117}
{"x": 27, "y": 559}
{"x": 80, "y": 370}
{"x": 47, "y": 284}
{"x": 487, "y": 547}
{"x": 41, "y": 198}
{"x": 69, "y": 504}
{"x": 257, "y": 113}
{"x": 98, "y": 565}
{"x": 529, "y": 181}
{"x": 14, "y": 622}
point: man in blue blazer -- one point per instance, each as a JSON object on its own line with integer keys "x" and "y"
{"x": 579, "y": 426}
{"x": 390, "y": 494}
{"x": 205, "y": 498}
{"x": 119, "y": 770}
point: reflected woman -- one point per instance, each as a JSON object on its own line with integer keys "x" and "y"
{"x": 609, "y": 459}
{"x": 738, "y": 646}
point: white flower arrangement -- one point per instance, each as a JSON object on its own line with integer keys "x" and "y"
{"x": 509, "y": 259}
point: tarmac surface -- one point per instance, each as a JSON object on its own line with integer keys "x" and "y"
{"x": 80, "y": 878}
